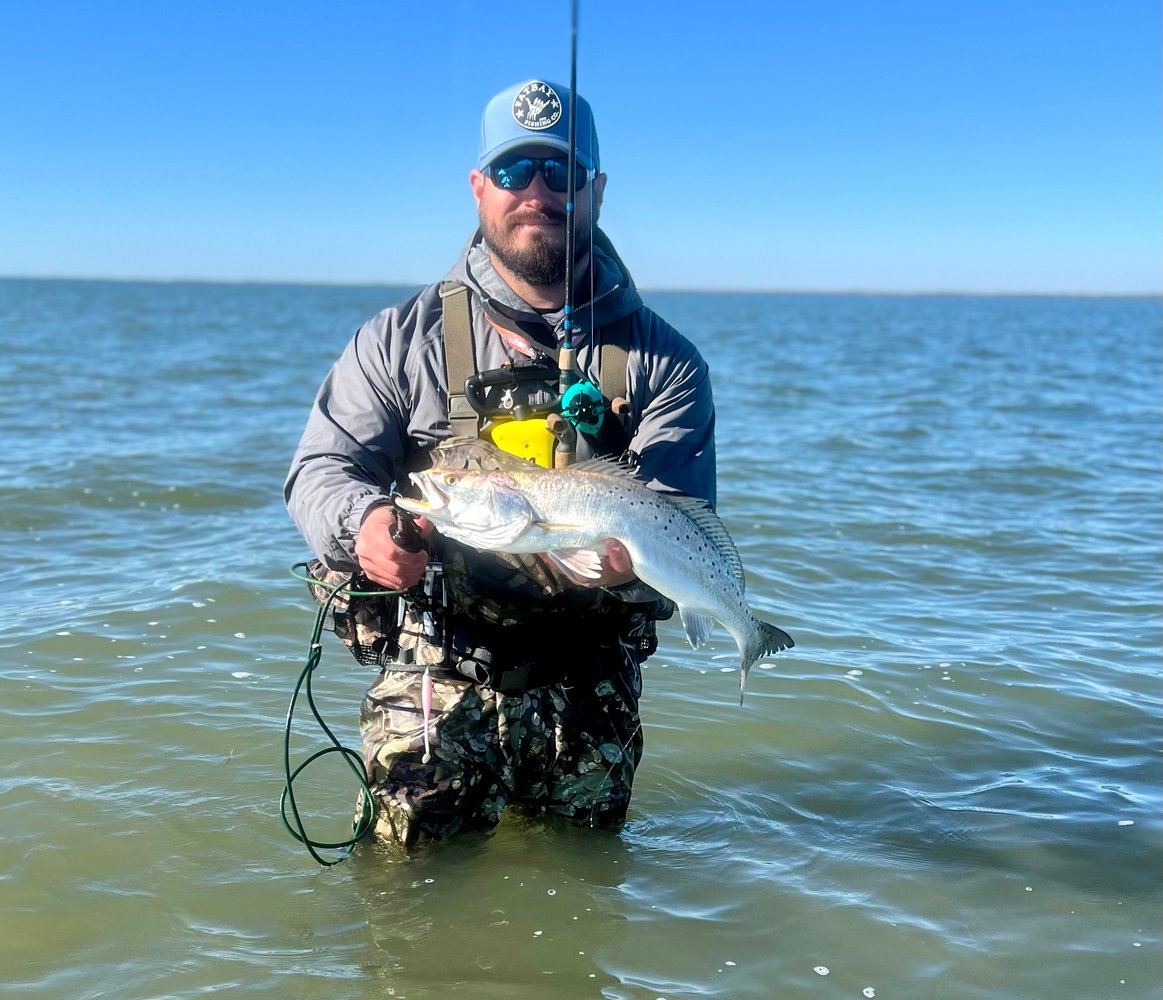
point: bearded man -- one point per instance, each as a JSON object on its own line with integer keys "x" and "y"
{"x": 503, "y": 681}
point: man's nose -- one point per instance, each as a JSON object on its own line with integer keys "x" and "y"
{"x": 538, "y": 190}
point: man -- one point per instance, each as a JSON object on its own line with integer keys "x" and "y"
{"x": 503, "y": 681}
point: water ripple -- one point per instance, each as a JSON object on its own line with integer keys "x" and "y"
{"x": 950, "y": 786}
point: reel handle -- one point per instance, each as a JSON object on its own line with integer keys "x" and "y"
{"x": 404, "y": 531}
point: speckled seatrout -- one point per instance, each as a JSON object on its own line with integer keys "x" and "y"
{"x": 677, "y": 545}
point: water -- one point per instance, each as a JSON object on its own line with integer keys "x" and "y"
{"x": 949, "y": 788}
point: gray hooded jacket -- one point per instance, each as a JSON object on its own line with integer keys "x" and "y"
{"x": 385, "y": 399}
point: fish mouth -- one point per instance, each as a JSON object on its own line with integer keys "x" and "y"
{"x": 433, "y": 498}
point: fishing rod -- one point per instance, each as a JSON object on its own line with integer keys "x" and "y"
{"x": 566, "y": 449}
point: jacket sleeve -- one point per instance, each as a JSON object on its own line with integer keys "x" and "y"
{"x": 673, "y": 433}
{"x": 354, "y": 443}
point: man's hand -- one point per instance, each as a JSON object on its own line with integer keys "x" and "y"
{"x": 616, "y": 566}
{"x": 381, "y": 559}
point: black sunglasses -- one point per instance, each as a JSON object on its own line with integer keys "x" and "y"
{"x": 516, "y": 173}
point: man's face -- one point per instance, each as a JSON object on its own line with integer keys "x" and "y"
{"x": 525, "y": 230}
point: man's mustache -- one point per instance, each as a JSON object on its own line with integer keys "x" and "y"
{"x": 536, "y": 218}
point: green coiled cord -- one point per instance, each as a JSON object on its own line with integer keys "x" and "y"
{"x": 366, "y": 820}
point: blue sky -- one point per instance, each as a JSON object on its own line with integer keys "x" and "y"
{"x": 894, "y": 146}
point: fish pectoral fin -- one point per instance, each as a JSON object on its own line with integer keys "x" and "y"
{"x": 580, "y": 565}
{"x": 698, "y": 627}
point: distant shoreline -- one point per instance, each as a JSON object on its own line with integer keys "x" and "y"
{"x": 412, "y": 285}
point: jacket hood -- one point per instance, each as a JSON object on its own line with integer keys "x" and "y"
{"x": 614, "y": 294}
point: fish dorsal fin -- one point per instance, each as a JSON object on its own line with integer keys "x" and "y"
{"x": 606, "y": 466}
{"x": 699, "y": 511}
{"x": 474, "y": 453}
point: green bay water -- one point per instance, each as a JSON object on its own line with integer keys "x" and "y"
{"x": 949, "y": 788}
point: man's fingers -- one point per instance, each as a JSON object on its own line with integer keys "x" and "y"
{"x": 617, "y": 558}
{"x": 394, "y": 573}
{"x": 381, "y": 559}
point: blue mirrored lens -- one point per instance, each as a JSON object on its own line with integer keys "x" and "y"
{"x": 517, "y": 174}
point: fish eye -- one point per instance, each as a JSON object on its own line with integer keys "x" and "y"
{"x": 451, "y": 478}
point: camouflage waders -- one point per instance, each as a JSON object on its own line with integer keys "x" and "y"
{"x": 561, "y": 737}
{"x": 568, "y": 750}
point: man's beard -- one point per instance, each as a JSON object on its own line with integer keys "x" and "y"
{"x": 542, "y": 262}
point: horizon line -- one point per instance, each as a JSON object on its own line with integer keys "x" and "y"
{"x": 869, "y": 292}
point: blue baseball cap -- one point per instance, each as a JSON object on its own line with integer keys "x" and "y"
{"x": 536, "y": 113}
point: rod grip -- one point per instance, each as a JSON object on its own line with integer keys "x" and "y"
{"x": 404, "y": 531}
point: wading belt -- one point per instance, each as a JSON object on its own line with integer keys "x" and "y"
{"x": 483, "y": 654}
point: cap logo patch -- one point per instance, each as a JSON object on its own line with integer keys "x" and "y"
{"x": 537, "y": 106}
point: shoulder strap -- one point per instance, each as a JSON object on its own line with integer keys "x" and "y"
{"x": 615, "y": 352}
{"x": 614, "y": 436}
{"x": 459, "y": 363}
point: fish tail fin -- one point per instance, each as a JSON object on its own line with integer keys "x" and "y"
{"x": 774, "y": 639}
{"x": 767, "y": 639}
